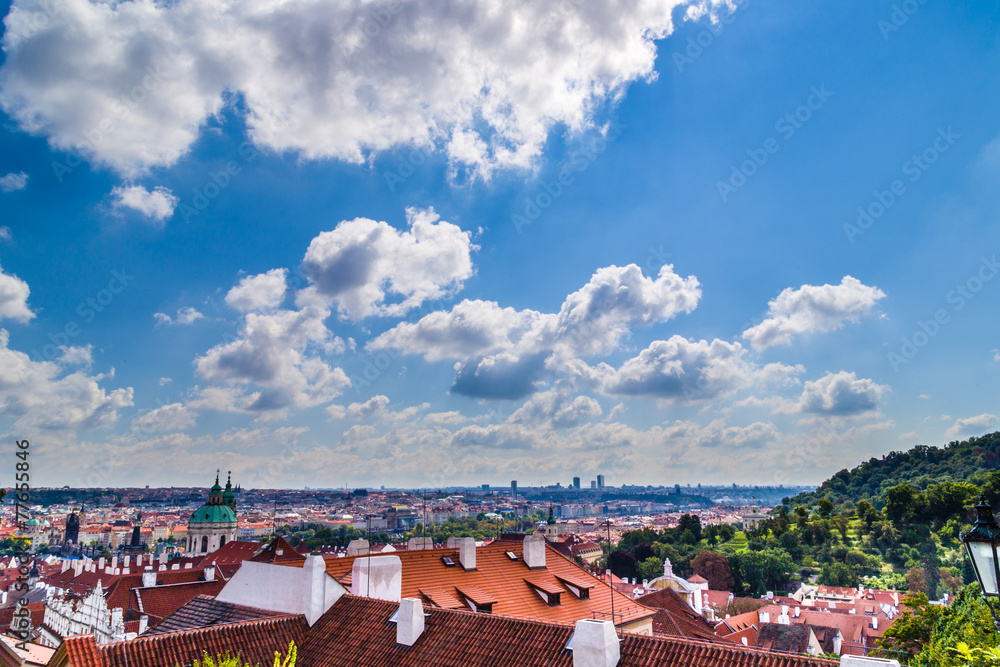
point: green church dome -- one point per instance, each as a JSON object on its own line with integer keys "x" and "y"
{"x": 220, "y": 507}
{"x": 213, "y": 514}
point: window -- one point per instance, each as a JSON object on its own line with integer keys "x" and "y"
{"x": 222, "y": 541}
{"x": 204, "y": 544}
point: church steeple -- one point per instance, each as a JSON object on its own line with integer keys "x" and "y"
{"x": 228, "y": 497}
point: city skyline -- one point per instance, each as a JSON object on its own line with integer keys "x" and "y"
{"x": 723, "y": 242}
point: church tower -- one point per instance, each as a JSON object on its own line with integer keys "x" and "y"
{"x": 214, "y": 523}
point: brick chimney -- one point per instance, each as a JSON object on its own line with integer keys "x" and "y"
{"x": 467, "y": 553}
{"x": 148, "y": 577}
{"x": 409, "y": 621}
{"x": 595, "y": 643}
{"x": 534, "y": 551}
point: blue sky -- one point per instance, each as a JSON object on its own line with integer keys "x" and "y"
{"x": 424, "y": 244}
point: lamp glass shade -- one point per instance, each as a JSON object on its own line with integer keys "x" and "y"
{"x": 984, "y": 557}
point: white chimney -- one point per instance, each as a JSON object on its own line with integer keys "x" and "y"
{"x": 419, "y": 543}
{"x": 64, "y": 565}
{"x": 378, "y": 577}
{"x": 127, "y": 562}
{"x": 764, "y": 617}
{"x": 100, "y": 563}
{"x": 188, "y": 566}
{"x": 209, "y": 573}
{"x": 595, "y": 643}
{"x": 143, "y": 623}
{"x": 114, "y": 562}
{"x": 467, "y": 553}
{"x": 148, "y": 577}
{"x": 534, "y": 551}
{"x": 409, "y": 621}
{"x": 175, "y": 566}
{"x": 357, "y": 548}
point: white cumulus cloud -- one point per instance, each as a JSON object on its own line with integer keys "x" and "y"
{"x": 13, "y": 181}
{"x": 813, "y": 308}
{"x": 503, "y": 352}
{"x": 970, "y": 426}
{"x": 264, "y": 291}
{"x": 14, "y": 298}
{"x": 166, "y": 419}
{"x": 157, "y": 204}
{"x": 130, "y": 84}
{"x": 362, "y": 263}
{"x": 185, "y": 315}
{"x": 57, "y": 394}
{"x": 840, "y": 394}
{"x": 679, "y": 370}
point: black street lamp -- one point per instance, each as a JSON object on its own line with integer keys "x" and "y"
{"x": 982, "y": 542}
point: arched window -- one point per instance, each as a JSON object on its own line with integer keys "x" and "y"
{"x": 222, "y": 541}
{"x": 204, "y": 544}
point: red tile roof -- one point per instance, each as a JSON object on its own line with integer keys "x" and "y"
{"x": 501, "y": 579}
{"x": 676, "y": 618}
{"x": 270, "y": 553}
{"x": 356, "y": 631}
{"x": 254, "y": 641}
{"x": 204, "y": 611}
{"x": 164, "y": 600}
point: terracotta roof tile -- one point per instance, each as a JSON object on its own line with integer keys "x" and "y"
{"x": 502, "y": 579}
{"x": 357, "y": 631}
{"x": 203, "y": 611}
{"x": 254, "y": 641}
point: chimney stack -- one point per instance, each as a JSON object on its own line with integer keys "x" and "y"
{"x": 419, "y": 543}
{"x": 534, "y": 551}
{"x": 65, "y": 565}
{"x": 358, "y": 548}
{"x": 143, "y": 623}
{"x": 378, "y": 577}
{"x": 148, "y": 577}
{"x": 467, "y": 553}
{"x": 595, "y": 643}
{"x": 409, "y": 621}
{"x": 209, "y": 573}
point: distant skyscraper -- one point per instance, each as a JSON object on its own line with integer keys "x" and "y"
{"x": 600, "y": 481}
{"x": 593, "y": 483}
{"x": 513, "y": 488}
{"x": 576, "y": 482}
{"x": 486, "y": 487}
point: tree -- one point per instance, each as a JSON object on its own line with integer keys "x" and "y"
{"x": 761, "y": 571}
{"x": 824, "y": 507}
{"x": 930, "y": 633}
{"x": 714, "y": 567}
{"x": 899, "y": 503}
{"x": 690, "y": 522}
{"x": 622, "y": 564}
{"x": 838, "y": 574}
{"x": 915, "y": 581}
{"x": 651, "y": 568}
{"x": 227, "y": 660}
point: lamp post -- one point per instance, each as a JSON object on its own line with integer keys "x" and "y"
{"x": 982, "y": 542}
